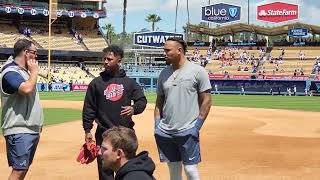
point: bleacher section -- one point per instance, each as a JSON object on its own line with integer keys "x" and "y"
{"x": 9, "y": 35}
{"x": 93, "y": 41}
{"x": 294, "y": 54}
{"x": 61, "y": 73}
{"x": 60, "y": 41}
{"x": 291, "y": 64}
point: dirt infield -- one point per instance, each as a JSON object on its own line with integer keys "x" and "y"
{"x": 237, "y": 143}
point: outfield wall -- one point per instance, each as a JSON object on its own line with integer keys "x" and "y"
{"x": 225, "y": 86}
{"x": 254, "y": 86}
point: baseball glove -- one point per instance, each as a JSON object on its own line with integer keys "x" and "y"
{"x": 88, "y": 153}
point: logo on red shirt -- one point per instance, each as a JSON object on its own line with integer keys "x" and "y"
{"x": 113, "y": 92}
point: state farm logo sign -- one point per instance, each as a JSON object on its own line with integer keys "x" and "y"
{"x": 277, "y": 12}
{"x": 221, "y": 13}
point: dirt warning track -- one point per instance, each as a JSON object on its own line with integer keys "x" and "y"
{"x": 236, "y": 144}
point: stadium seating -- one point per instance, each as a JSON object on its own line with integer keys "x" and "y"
{"x": 62, "y": 41}
{"x": 9, "y": 35}
{"x": 93, "y": 41}
{"x": 66, "y": 73}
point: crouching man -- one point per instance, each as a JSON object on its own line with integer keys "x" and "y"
{"x": 118, "y": 151}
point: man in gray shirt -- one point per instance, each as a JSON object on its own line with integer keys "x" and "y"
{"x": 182, "y": 105}
{"x": 22, "y": 116}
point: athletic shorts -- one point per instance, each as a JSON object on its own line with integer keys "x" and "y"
{"x": 21, "y": 149}
{"x": 184, "y": 146}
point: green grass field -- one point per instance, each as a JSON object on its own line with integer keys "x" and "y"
{"x": 60, "y": 115}
{"x": 304, "y": 103}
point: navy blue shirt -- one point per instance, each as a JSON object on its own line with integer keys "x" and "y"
{"x": 11, "y": 81}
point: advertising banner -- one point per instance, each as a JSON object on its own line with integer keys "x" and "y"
{"x": 258, "y": 86}
{"x": 198, "y": 43}
{"x": 221, "y": 13}
{"x": 298, "y": 32}
{"x": 79, "y": 87}
{"x": 277, "y": 12}
{"x": 59, "y": 87}
{"x": 286, "y": 77}
{"x": 154, "y": 38}
{"x": 268, "y": 77}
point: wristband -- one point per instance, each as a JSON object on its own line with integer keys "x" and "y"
{"x": 199, "y": 123}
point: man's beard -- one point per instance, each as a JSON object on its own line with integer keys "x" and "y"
{"x": 168, "y": 62}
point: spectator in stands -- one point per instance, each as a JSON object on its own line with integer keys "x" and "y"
{"x": 264, "y": 70}
{"x": 226, "y": 75}
{"x": 301, "y": 55}
{"x": 28, "y": 32}
{"x": 80, "y": 38}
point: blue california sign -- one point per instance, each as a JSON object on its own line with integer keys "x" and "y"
{"x": 298, "y": 32}
{"x": 221, "y": 13}
{"x": 154, "y": 38}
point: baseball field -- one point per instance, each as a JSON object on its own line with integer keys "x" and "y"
{"x": 244, "y": 137}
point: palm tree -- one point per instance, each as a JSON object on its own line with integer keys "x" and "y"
{"x": 110, "y": 32}
{"x": 153, "y": 18}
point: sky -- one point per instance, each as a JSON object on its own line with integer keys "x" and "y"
{"x": 137, "y": 11}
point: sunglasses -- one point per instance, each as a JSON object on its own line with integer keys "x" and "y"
{"x": 32, "y": 52}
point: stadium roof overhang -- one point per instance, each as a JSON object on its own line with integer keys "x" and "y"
{"x": 241, "y": 27}
{"x": 155, "y": 51}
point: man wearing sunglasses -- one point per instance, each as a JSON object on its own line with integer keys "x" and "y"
{"x": 22, "y": 116}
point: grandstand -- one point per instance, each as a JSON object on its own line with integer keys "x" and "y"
{"x": 284, "y": 58}
{"x": 76, "y": 36}
{"x": 68, "y": 33}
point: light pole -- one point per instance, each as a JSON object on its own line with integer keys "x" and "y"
{"x": 248, "y": 12}
{"x": 175, "y": 24}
